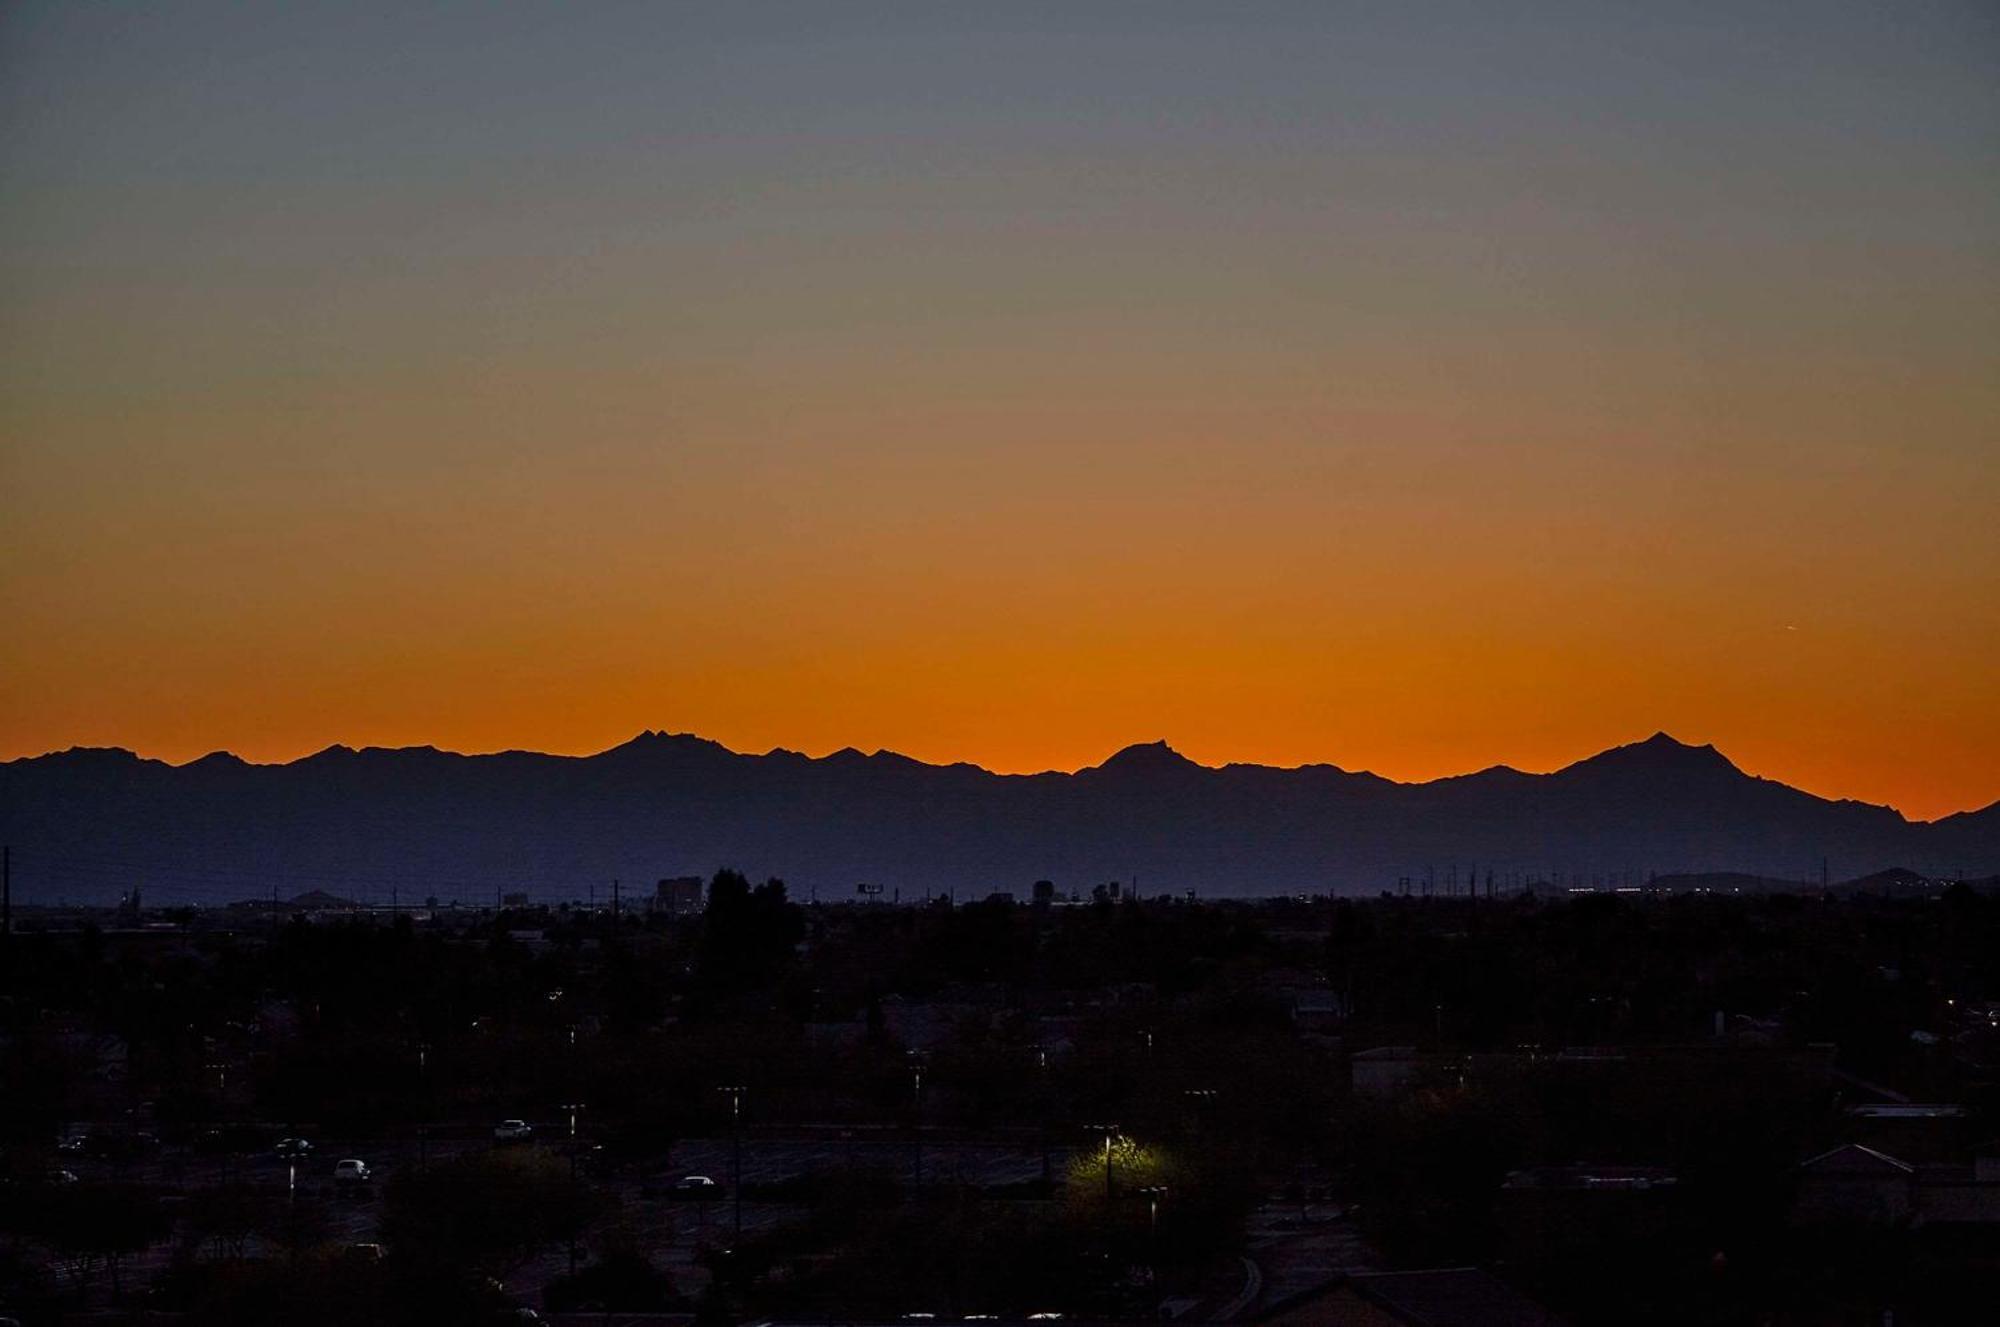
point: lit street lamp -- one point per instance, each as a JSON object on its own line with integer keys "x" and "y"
{"x": 1110, "y": 1131}
{"x": 1154, "y": 1194}
{"x": 574, "y": 1108}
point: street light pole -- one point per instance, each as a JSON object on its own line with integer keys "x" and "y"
{"x": 1154, "y": 1193}
{"x": 1199, "y": 1099}
{"x": 572, "y": 1108}
{"x": 1110, "y": 1131}
{"x": 736, "y": 1148}
{"x": 917, "y": 1114}
{"x": 1042, "y": 1083}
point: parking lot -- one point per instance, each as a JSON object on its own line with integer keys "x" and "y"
{"x": 675, "y": 1227}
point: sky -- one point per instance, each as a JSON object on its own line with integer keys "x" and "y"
{"x": 1414, "y": 387}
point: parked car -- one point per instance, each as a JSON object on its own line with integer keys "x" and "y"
{"x": 352, "y": 1171}
{"x": 116, "y": 1147}
{"x": 293, "y": 1149}
{"x": 697, "y": 1187}
{"x": 513, "y": 1131}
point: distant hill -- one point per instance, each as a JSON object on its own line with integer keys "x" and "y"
{"x": 90, "y": 823}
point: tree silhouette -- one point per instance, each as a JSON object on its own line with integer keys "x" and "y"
{"x": 749, "y": 936}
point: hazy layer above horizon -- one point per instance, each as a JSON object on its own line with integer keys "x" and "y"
{"x": 1419, "y": 391}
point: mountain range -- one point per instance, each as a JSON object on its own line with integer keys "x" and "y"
{"x": 90, "y": 823}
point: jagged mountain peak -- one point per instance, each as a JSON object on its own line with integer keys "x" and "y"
{"x": 654, "y": 741}
{"x": 91, "y": 755}
{"x": 1661, "y": 753}
{"x": 1148, "y": 757}
{"x": 333, "y": 751}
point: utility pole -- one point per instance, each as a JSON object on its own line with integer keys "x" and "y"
{"x": 6, "y": 891}
{"x": 614, "y": 902}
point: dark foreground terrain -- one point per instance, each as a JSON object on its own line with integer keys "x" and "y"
{"x": 1633, "y": 1108}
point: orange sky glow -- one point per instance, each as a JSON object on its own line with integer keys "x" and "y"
{"x": 1005, "y": 395}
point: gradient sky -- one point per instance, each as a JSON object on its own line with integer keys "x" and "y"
{"x": 1414, "y": 387}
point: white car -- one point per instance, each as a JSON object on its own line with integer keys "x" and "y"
{"x": 695, "y": 1189}
{"x": 513, "y": 1131}
{"x": 352, "y": 1171}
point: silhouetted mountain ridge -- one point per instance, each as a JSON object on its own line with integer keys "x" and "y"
{"x": 91, "y": 822}
{"x": 1658, "y": 754}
